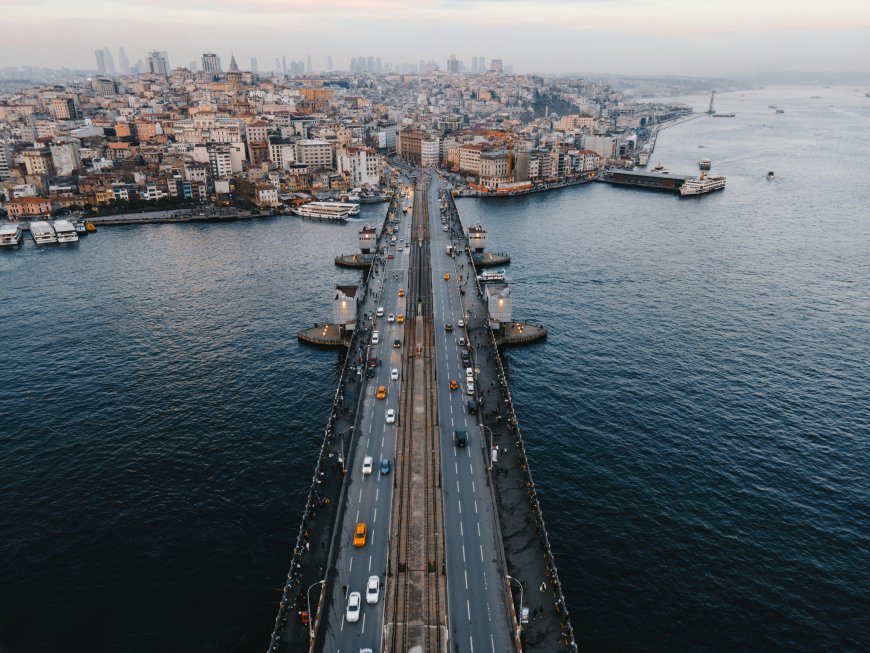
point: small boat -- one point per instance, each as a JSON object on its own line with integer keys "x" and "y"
{"x": 90, "y": 227}
{"x": 42, "y": 233}
{"x": 770, "y": 174}
{"x": 65, "y": 231}
{"x": 780, "y": 111}
{"x": 11, "y": 235}
{"x": 705, "y": 164}
{"x": 81, "y": 229}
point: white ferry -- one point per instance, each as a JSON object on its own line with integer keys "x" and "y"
{"x": 327, "y": 210}
{"x": 65, "y": 231}
{"x": 491, "y": 276}
{"x": 701, "y": 185}
{"x": 42, "y": 233}
{"x": 11, "y": 235}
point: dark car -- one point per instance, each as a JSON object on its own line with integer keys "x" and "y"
{"x": 373, "y": 361}
{"x": 385, "y": 466}
{"x": 448, "y": 327}
{"x": 460, "y": 438}
{"x": 472, "y": 406}
{"x": 397, "y": 343}
{"x": 370, "y": 373}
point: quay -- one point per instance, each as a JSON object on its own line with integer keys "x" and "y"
{"x": 446, "y": 527}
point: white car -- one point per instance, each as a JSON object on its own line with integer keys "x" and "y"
{"x": 368, "y": 463}
{"x": 469, "y": 374}
{"x": 376, "y": 337}
{"x": 460, "y": 323}
{"x": 373, "y": 589}
{"x": 400, "y": 248}
{"x": 380, "y": 311}
{"x": 391, "y": 417}
{"x": 469, "y": 387}
{"x": 353, "y": 607}
{"x": 391, "y": 318}
{"x": 444, "y": 227}
{"x": 394, "y": 374}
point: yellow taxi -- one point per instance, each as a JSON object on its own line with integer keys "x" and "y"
{"x": 401, "y": 292}
{"x": 447, "y": 277}
{"x": 359, "y": 535}
{"x": 400, "y": 318}
{"x": 382, "y": 392}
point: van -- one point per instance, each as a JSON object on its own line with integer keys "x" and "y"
{"x": 460, "y": 438}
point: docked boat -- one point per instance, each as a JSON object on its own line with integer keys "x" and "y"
{"x": 81, "y": 229}
{"x": 327, "y": 210}
{"x": 42, "y": 233}
{"x": 11, "y": 235}
{"x": 65, "y": 231}
{"x": 701, "y": 185}
{"x": 491, "y": 276}
{"x": 91, "y": 228}
{"x": 705, "y": 164}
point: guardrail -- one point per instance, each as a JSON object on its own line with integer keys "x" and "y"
{"x": 294, "y": 578}
{"x": 534, "y": 504}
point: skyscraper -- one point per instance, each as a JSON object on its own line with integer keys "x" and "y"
{"x": 329, "y": 62}
{"x": 452, "y": 64}
{"x": 101, "y": 61}
{"x": 110, "y": 61}
{"x": 123, "y": 62}
{"x": 211, "y": 63}
{"x": 253, "y": 64}
{"x": 158, "y": 63}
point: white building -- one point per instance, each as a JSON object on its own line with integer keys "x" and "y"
{"x": 344, "y": 306}
{"x": 361, "y": 164}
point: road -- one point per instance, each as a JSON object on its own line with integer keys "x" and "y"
{"x": 478, "y": 614}
{"x": 369, "y": 498}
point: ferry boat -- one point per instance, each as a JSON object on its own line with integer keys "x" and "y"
{"x": 491, "y": 276}
{"x": 11, "y": 235}
{"x": 42, "y": 233}
{"x": 705, "y": 164}
{"x": 65, "y": 231}
{"x": 327, "y": 210}
{"x": 701, "y": 185}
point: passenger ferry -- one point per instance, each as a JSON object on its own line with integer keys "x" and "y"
{"x": 701, "y": 185}
{"x": 491, "y": 276}
{"x": 65, "y": 231}
{"x": 42, "y": 233}
{"x": 11, "y": 235}
{"x": 327, "y": 210}
{"x": 81, "y": 229}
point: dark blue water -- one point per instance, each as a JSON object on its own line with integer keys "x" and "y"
{"x": 697, "y": 421}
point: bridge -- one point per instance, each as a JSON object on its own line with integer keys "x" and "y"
{"x": 422, "y": 507}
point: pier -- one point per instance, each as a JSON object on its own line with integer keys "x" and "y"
{"x": 423, "y": 455}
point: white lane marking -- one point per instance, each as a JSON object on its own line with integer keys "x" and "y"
{"x": 461, "y": 530}
{"x": 468, "y": 609}
{"x": 350, "y": 567}
{"x": 377, "y": 491}
{"x": 456, "y": 465}
{"x": 342, "y": 623}
{"x": 492, "y": 641}
{"x": 484, "y": 580}
{"x": 360, "y": 496}
{"x": 481, "y": 552}
{"x": 473, "y": 489}
{"x": 478, "y": 529}
{"x": 460, "y": 505}
{"x": 367, "y": 442}
{"x": 475, "y": 506}
{"x": 463, "y": 553}
{"x": 382, "y": 442}
{"x": 363, "y": 624}
{"x": 357, "y": 514}
{"x": 370, "y": 563}
{"x": 375, "y": 518}
{"x": 465, "y": 571}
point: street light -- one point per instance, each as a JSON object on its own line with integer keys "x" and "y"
{"x": 310, "y": 618}
{"x": 489, "y": 451}
{"x": 342, "y": 457}
{"x": 519, "y": 622}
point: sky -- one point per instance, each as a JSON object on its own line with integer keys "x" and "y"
{"x": 646, "y": 37}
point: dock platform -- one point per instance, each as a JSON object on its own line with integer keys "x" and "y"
{"x": 490, "y": 260}
{"x": 328, "y": 336}
{"x": 520, "y": 333}
{"x": 359, "y": 261}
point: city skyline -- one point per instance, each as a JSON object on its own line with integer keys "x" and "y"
{"x": 556, "y": 37}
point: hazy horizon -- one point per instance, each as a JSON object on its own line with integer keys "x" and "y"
{"x": 665, "y": 37}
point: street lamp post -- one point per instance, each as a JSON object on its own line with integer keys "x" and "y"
{"x": 343, "y": 458}
{"x": 310, "y": 616}
{"x": 520, "y": 616}
{"x": 489, "y": 449}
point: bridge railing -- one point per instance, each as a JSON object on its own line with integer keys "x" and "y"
{"x": 534, "y": 504}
